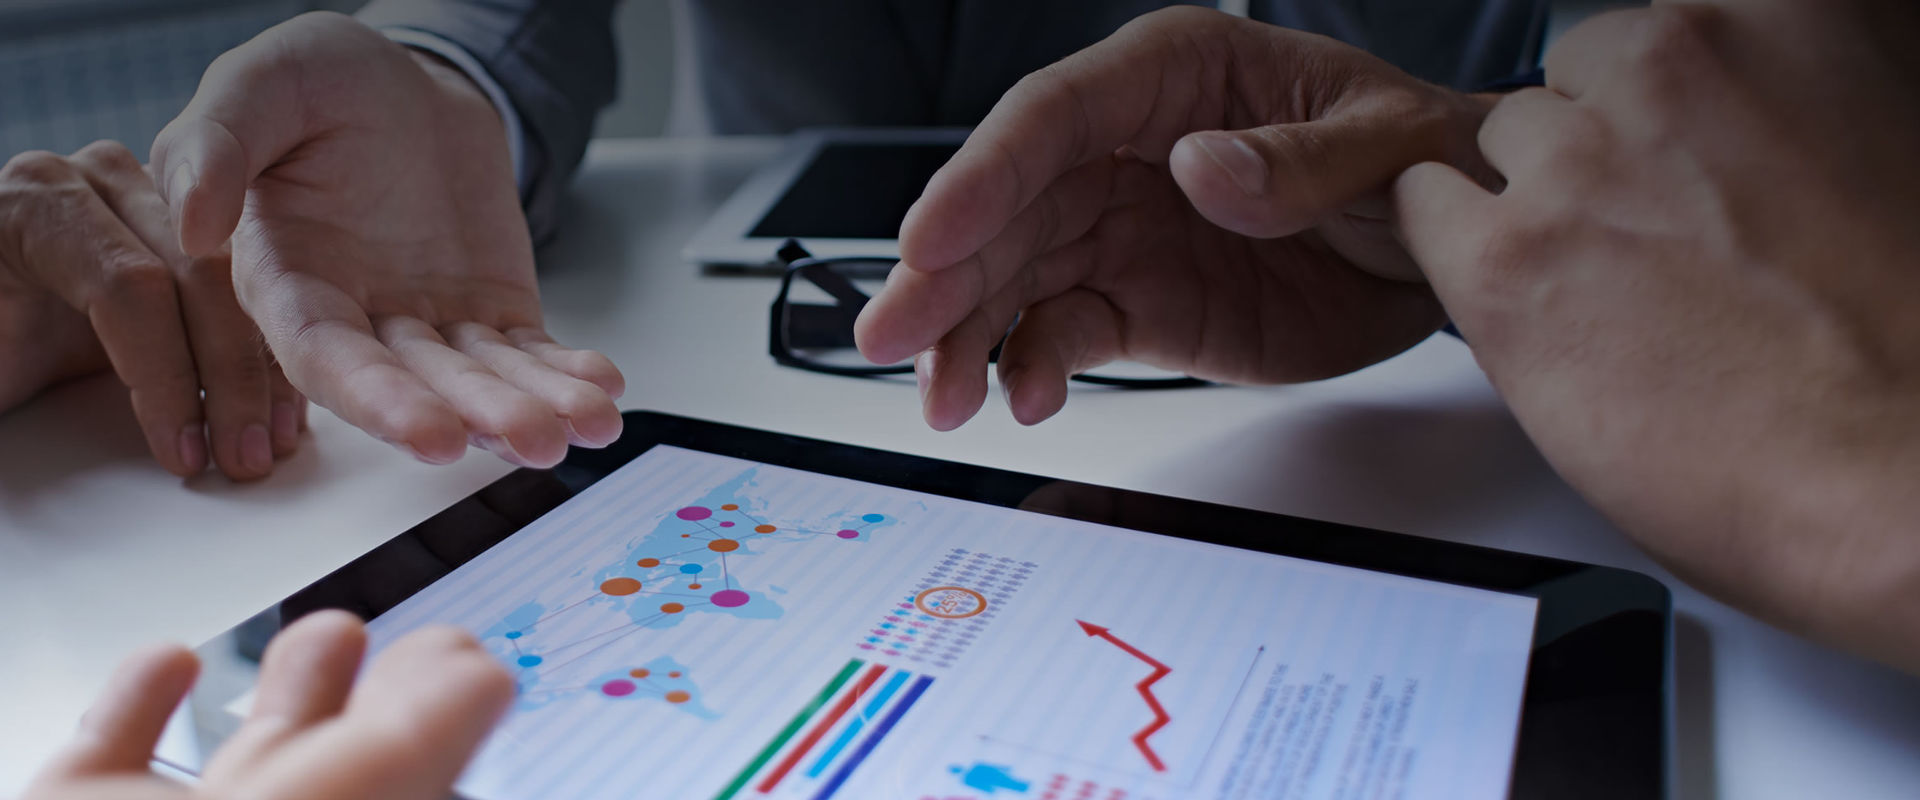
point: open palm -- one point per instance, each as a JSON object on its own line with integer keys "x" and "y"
{"x": 379, "y": 244}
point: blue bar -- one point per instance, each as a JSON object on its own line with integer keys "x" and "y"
{"x": 873, "y": 739}
{"x": 853, "y": 727}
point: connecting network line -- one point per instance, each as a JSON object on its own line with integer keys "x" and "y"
{"x": 675, "y": 578}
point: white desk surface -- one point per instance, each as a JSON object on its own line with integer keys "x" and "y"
{"x": 101, "y": 551}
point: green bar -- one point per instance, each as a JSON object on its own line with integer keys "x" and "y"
{"x": 799, "y": 721}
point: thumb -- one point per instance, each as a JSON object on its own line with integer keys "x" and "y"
{"x": 244, "y": 118}
{"x": 1279, "y": 180}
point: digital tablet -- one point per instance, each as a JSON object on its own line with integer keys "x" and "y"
{"x": 714, "y": 613}
{"x": 839, "y": 191}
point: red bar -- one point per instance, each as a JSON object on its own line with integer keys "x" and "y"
{"x": 813, "y": 737}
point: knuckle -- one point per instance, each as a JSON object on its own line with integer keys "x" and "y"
{"x": 1673, "y": 40}
{"x": 577, "y": 399}
{"x": 1172, "y": 17}
{"x": 249, "y": 365}
{"x": 137, "y": 275}
{"x": 110, "y": 156}
{"x": 41, "y": 167}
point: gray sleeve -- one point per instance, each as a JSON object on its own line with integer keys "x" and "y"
{"x": 556, "y": 60}
{"x": 1459, "y": 43}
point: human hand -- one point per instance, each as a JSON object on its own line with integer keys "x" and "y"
{"x": 379, "y": 244}
{"x": 1197, "y": 192}
{"x": 91, "y": 276}
{"x": 1696, "y": 293}
{"x": 405, "y": 731}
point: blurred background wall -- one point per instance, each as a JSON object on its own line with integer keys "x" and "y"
{"x": 73, "y": 71}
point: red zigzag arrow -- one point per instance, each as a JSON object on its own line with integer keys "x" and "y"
{"x": 1160, "y": 718}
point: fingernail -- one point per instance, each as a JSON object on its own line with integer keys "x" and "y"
{"x": 286, "y": 423}
{"x": 923, "y": 372}
{"x": 1246, "y": 167}
{"x": 256, "y": 449}
{"x": 180, "y": 183}
{"x": 498, "y": 445}
{"x": 1007, "y": 383}
{"x": 193, "y": 448}
{"x": 573, "y": 436}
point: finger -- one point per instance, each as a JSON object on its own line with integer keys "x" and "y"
{"x": 586, "y": 365}
{"x": 305, "y": 678}
{"x": 1081, "y": 108}
{"x": 419, "y": 712}
{"x": 1521, "y": 130}
{"x": 587, "y": 413}
{"x": 500, "y": 417}
{"x": 1055, "y": 339}
{"x": 119, "y": 733}
{"x": 1441, "y": 215}
{"x": 228, "y": 358}
{"x": 289, "y": 413}
{"x": 127, "y": 293}
{"x": 1581, "y": 56}
{"x": 235, "y": 370}
{"x": 1278, "y": 180}
{"x": 909, "y": 315}
{"x": 245, "y": 116}
{"x": 327, "y": 348}
{"x": 953, "y": 373}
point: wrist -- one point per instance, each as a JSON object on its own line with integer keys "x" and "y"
{"x": 453, "y": 81}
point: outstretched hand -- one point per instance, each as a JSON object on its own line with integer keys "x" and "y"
{"x": 404, "y": 732}
{"x": 1198, "y": 192}
{"x": 378, "y": 243}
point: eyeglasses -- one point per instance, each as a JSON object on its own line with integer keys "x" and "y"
{"x": 811, "y": 324}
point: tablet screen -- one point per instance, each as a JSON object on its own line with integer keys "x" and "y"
{"x": 700, "y": 626}
{"x": 854, "y": 191}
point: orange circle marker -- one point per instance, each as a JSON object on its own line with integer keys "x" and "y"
{"x": 673, "y": 608}
{"x": 674, "y": 674}
{"x": 677, "y": 696}
{"x": 723, "y": 545}
{"x": 639, "y": 673}
{"x": 686, "y": 536}
{"x": 648, "y": 562}
{"x": 620, "y": 587}
{"x": 764, "y": 529}
{"x": 693, "y": 586}
{"x": 950, "y": 602}
{"x": 730, "y": 507}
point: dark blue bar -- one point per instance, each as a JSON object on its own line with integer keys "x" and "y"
{"x": 873, "y": 739}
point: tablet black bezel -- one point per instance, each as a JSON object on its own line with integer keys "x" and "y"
{"x": 1594, "y": 716}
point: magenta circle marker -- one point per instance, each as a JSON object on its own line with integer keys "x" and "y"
{"x": 694, "y": 513}
{"x": 848, "y": 534}
{"x": 619, "y": 687}
{"x": 729, "y": 598}
{"x": 726, "y": 524}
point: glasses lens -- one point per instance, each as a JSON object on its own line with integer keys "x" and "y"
{"x": 1133, "y": 371}
{"x": 822, "y": 305}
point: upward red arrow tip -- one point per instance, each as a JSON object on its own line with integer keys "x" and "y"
{"x": 1090, "y": 628}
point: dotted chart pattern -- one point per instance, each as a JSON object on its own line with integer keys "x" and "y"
{"x": 907, "y": 631}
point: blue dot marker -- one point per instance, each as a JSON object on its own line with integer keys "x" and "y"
{"x": 530, "y": 661}
{"x": 874, "y": 517}
{"x": 513, "y": 634}
{"x": 691, "y": 569}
